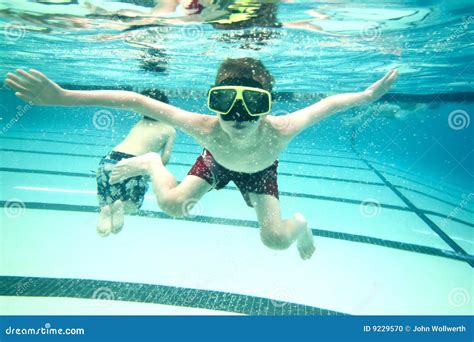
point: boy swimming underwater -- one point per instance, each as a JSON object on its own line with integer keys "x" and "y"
{"x": 241, "y": 143}
{"x": 126, "y": 197}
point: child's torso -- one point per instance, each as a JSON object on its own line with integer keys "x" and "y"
{"x": 249, "y": 159}
{"x": 146, "y": 136}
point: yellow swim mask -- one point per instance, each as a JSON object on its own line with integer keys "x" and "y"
{"x": 256, "y": 101}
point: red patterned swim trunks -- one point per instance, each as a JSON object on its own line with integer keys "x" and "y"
{"x": 261, "y": 182}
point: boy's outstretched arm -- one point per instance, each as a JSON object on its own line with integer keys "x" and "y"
{"x": 306, "y": 117}
{"x": 36, "y": 88}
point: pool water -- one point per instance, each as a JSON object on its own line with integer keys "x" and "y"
{"x": 387, "y": 188}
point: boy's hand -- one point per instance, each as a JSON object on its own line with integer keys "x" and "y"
{"x": 379, "y": 88}
{"x": 35, "y": 87}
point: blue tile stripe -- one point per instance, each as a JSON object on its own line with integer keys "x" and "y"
{"x": 445, "y": 237}
{"x": 454, "y": 192}
{"x": 174, "y": 152}
{"x": 454, "y": 205}
{"x": 449, "y": 192}
{"x": 151, "y": 293}
{"x": 347, "y": 154}
{"x": 292, "y": 153}
{"x": 282, "y": 193}
{"x": 254, "y": 224}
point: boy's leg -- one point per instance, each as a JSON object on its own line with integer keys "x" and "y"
{"x": 132, "y": 193}
{"x": 104, "y": 223}
{"x": 280, "y": 234}
{"x": 117, "y": 216}
{"x": 174, "y": 199}
{"x": 119, "y": 210}
{"x": 104, "y": 190}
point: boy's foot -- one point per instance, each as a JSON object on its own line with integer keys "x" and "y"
{"x": 305, "y": 242}
{"x": 117, "y": 216}
{"x": 104, "y": 224}
{"x": 132, "y": 167}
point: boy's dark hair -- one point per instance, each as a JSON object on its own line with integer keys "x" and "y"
{"x": 154, "y": 94}
{"x": 246, "y": 68}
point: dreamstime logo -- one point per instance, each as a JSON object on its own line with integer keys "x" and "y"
{"x": 458, "y": 297}
{"x": 308, "y": 41}
{"x": 365, "y": 300}
{"x": 280, "y": 120}
{"x": 14, "y": 31}
{"x": 191, "y": 208}
{"x": 465, "y": 201}
{"x": 103, "y": 296}
{"x": 312, "y": 97}
{"x": 116, "y": 18}
{"x": 103, "y": 119}
{"x": 370, "y": 33}
{"x": 283, "y": 297}
{"x": 192, "y": 31}
{"x": 458, "y": 119}
{"x": 458, "y": 32}
{"x": 204, "y": 109}
{"x": 14, "y": 208}
{"x": 22, "y": 286}
{"x": 21, "y": 110}
{"x": 370, "y": 208}
{"x": 376, "y": 110}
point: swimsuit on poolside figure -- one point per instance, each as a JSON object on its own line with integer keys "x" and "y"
{"x": 131, "y": 189}
{"x": 261, "y": 182}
